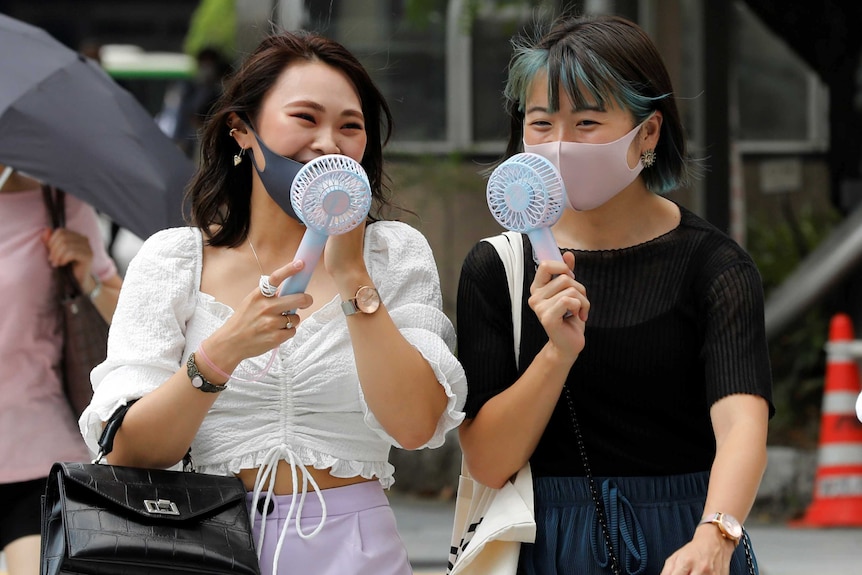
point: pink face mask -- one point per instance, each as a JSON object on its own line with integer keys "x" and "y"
{"x": 592, "y": 173}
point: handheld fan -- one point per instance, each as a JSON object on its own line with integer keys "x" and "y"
{"x": 332, "y": 195}
{"x": 525, "y": 194}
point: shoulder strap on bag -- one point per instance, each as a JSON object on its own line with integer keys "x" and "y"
{"x": 55, "y": 203}
{"x": 505, "y": 515}
{"x": 510, "y": 248}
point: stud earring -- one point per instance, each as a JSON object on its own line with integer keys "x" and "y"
{"x": 237, "y": 158}
{"x": 648, "y": 158}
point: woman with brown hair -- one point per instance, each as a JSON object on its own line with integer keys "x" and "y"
{"x": 300, "y": 395}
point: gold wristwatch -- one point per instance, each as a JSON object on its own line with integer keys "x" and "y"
{"x": 727, "y": 525}
{"x": 366, "y": 300}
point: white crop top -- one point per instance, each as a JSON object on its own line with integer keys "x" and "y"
{"x": 310, "y": 403}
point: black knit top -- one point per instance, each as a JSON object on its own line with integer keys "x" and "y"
{"x": 675, "y": 324}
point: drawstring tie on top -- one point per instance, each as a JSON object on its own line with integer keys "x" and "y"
{"x": 266, "y": 474}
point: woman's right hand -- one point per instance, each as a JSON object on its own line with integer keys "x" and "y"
{"x": 560, "y": 302}
{"x": 259, "y": 323}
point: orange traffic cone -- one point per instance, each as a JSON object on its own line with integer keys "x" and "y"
{"x": 837, "y": 500}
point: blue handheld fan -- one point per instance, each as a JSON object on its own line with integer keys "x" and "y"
{"x": 526, "y": 194}
{"x": 332, "y": 195}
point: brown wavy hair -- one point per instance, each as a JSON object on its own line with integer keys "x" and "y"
{"x": 219, "y": 194}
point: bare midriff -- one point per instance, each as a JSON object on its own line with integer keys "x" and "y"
{"x": 284, "y": 479}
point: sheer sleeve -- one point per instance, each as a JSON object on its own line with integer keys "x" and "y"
{"x": 735, "y": 351}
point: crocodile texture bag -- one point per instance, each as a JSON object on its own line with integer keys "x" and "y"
{"x": 85, "y": 331}
{"x": 114, "y": 520}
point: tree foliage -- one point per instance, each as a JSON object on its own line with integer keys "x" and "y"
{"x": 213, "y": 25}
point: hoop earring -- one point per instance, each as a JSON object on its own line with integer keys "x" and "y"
{"x": 648, "y": 158}
{"x": 237, "y": 158}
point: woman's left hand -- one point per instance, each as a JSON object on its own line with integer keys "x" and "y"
{"x": 68, "y": 247}
{"x": 708, "y": 553}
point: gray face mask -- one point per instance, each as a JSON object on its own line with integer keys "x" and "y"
{"x": 277, "y": 176}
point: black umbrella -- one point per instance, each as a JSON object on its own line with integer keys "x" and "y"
{"x": 65, "y": 122}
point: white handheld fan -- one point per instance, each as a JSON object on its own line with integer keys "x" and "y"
{"x": 332, "y": 195}
{"x": 525, "y": 194}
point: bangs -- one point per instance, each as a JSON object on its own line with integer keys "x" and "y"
{"x": 589, "y": 83}
{"x": 587, "y": 80}
{"x": 525, "y": 64}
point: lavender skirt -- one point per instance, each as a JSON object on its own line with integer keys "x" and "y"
{"x": 358, "y": 538}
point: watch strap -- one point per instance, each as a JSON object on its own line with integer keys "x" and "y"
{"x": 198, "y": 380}
{"x": 711, "y": 518}
{"x": 349, "y": 307}
{"x": 717, "y": 520}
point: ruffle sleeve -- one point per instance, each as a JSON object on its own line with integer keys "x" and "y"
{"x": 402, "y": 265}
{"x": 147, "y": 336}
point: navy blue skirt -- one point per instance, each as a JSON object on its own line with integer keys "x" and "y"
{"x": 649, "y": 519}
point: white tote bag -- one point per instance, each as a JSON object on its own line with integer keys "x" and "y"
{"x": 490, "y": 524}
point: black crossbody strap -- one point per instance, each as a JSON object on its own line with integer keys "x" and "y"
{"x": 512, "y": 254}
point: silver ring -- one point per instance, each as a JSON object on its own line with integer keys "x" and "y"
{"x": 288, "y": 325}
{"x": 266, "y": 288}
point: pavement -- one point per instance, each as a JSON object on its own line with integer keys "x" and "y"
{"x": 425, "y": 526}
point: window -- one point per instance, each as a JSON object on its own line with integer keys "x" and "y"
{"x": 403, "y": 51}
{"x": 781, "y": 103}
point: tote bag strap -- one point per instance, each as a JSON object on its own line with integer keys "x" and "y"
{"x": 510, "y": 248}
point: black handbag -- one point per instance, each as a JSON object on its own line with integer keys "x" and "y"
{"x": 113, "y": 520}
{"x": 85, "y": 331}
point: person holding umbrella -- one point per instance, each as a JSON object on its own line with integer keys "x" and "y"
{"x": 37, "y": 427}
{"x": 302, "y": 395}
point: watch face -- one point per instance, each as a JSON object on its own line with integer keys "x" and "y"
{"x": 367, "y": 300}
{"x": 731, "y": 526}
{"x": 197, "y": 381}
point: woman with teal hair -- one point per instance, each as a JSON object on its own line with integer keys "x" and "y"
{"x": 643, "y": 389}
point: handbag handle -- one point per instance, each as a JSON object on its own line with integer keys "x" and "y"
{"x": 106, "y": 439}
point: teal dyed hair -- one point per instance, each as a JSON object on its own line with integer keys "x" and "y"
{"x": 599, "y": 60}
